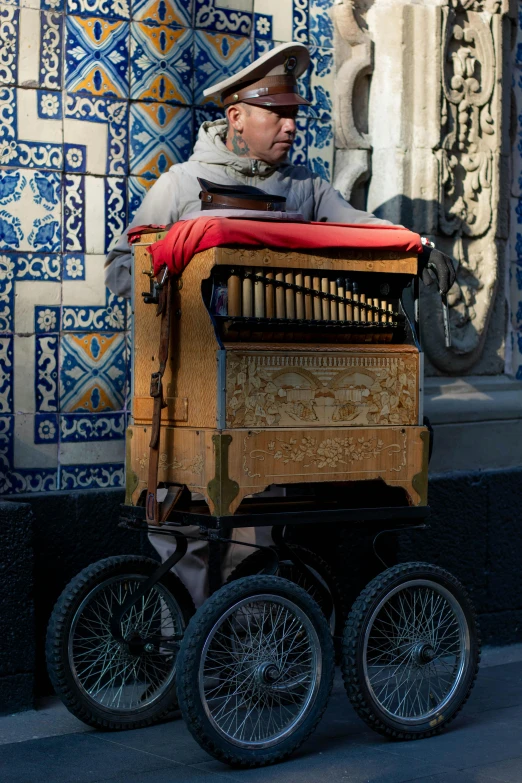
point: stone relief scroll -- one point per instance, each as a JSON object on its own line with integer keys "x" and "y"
{"x": 469, "y": 166}
{"x": 353, "y": 62}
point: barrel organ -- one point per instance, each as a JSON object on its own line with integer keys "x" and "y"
{"x": 268, "y": 347}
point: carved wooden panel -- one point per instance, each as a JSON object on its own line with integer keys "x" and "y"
{"x": 257, "y": 458}
{"x": 186, "y": 457}
{"x": 309, "y": 389}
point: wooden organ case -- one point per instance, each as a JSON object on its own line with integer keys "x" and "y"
{"x": 285, "y": 368}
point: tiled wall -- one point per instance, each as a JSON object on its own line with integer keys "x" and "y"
{"x": 97, "y": 99}
{"x": 514, "y": 356}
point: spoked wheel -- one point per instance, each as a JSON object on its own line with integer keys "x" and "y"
{"x": 255, "y": 670}
{"x": 106, "y": 682}
{"x": 411, "y": 651}
{"x": 333, "y": 608}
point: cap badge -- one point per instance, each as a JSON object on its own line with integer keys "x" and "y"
{"x": 290, "y": 64}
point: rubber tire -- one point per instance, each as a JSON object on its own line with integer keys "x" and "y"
{"x": 353, "y": 641}
{"x": 58, "y": 630}
{"x": 258, "y": 560}
{"x": 189, "y": 658}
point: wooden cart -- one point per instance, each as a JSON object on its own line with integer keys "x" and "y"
{"x": 302, "y": 371}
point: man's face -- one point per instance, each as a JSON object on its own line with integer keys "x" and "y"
{"x": 262, "y": 133}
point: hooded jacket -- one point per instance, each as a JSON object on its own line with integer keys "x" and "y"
{"x": 176, "y": 193}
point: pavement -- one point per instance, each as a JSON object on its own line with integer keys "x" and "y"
{"x": 482, "y": 745}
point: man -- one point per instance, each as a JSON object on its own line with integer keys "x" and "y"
{"x": 249, "y": 147}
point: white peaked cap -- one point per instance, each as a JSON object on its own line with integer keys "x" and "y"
{"x": 286, "y": 60}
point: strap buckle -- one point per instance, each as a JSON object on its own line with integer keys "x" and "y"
{"x": 156, "y": 389}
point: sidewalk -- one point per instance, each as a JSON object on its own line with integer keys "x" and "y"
{"x": 483, "y": 745}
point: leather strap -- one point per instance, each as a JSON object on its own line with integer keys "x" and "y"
{"x": 152, "y": 508}
{"x": 270, "y": 85}
{"x": 211, "y": 200}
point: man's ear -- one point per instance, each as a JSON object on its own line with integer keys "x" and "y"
{"x": 235, "y": 116}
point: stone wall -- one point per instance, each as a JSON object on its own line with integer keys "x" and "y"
{"x": 439, "y": 130}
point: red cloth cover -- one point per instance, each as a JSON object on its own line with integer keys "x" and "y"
{"x": 188, "y": 237}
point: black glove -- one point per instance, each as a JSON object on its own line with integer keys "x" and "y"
{"x": 434, "y": 265}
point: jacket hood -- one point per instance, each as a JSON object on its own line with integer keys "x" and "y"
{"x": 211, "y": 150}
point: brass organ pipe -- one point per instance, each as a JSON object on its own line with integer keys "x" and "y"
{"x": 259, "y": 296}
{"x": 299, "y": 298}
{"x": 340, "y": 306}
{"x": 290, "y": 296}
{"x": 247, "y": 294}
{"x": 234, "y": 293}
{"x": 362, "y": 300}
{"x": 325, "y": 288}
{"x": 317, "y": 299}
{"x": 390, "y": 312}
{"x": 384, "y": 317}
{"x": 308, "y": 304}
{"x": 333, "y": 305}
{"x": 270, "y": 297}
{"x": 348, "y": 295}
{"x": 280, "y": 296}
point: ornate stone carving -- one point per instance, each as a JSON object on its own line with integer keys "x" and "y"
{"x": 469, "y": 177}
{"x": 353, "y": 62}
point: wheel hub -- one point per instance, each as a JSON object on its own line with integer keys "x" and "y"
{"x": 268, "y": 673}
{"x": 423, "y": 653}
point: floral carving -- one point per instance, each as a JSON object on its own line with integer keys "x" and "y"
{"x": 194, "y": 465}
{"x": 323, "y": 452}
{"x": 279, "y": 391}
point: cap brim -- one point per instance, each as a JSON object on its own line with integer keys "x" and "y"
{"x": 281, "y": 99}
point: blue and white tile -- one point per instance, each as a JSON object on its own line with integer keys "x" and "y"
{"x": 99, "y": 125}
{"x": 75, "y": 158}
{"x": 74, "y": 213}
{"x": 6, "y": 374}
{"x": 6, "y": 452}
{"x": 224, "y": 16}
{"x": 93, "y": 372}
{"x": 46, "y": 428}
{"x": 9, "y": 36}
{"x": 90, "y": 452}
{"x": 321, "y": 82}
{"x": 115, "y": 210}
{"x": 216, "y": 57}
{"x": 45, "y": 361}
{"x": 176, "y": 13}
{"x": 30, "y": 129}
{"x": 30, "y": 210}
{"x": 86, "y": 304}
{"x": 516, "y": 356}
{"x": 107, "y": 9}
{"x": 35, "y": 461}
{"x": 299, "y": 151}
{"x": 92, "y": 427}
{"x": 40, "y": 59}
{"x": 161, "y": 63}
{"x": 160, "y": 135}
{"x": 100, "y": 476}
{"x": 321, "y": 27}
{"x": 137, "y": 190}
{"x": 37, "y": 266}
{"x": 73, "y": 267}
{"x": 97, "y": 57}
{"x": 7, "y": 292}
{"x": 57, "y": 6}
{"x": 288, "y": 21}
{"x": 32, "y": 302}
{"x": 321, "y": 148}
